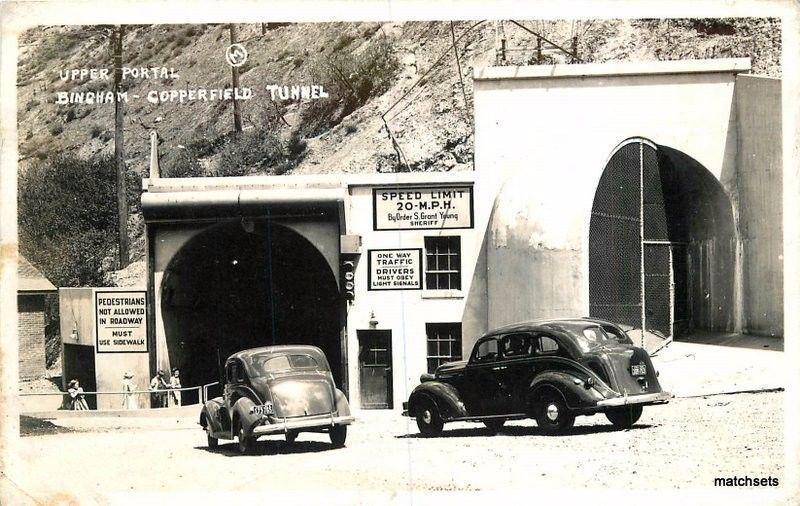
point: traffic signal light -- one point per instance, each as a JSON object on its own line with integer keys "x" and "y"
{"x": 348, "y": 279}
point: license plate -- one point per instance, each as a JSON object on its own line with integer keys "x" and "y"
{"x": 266, "y": 409}
{"x": 638, "y": 370}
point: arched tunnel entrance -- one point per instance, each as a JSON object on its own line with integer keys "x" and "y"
{"x": 236, "y": 286}
{"x": 662, "y": 243}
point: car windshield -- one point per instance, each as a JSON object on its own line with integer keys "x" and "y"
{"x": 592, "y": 337}
{"x": 270, "y": 364}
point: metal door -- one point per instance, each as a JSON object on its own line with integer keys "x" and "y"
{"x": 637, "y": 252}
{"x": 658, "y": 288}
{"x": 375, "y": 368}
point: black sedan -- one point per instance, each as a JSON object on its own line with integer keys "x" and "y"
{"x": 549, "y": 370}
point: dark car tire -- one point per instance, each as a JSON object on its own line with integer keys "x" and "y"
{"x": 429, "y": 421}
{"x": 212, "y": 441}
{"x": 494, "y": 425}
{"x": 552, "y": 414}
{"x": 246, "y": 444}
{"x": 625, "y": 417}
{"x": 291, "y": 436}
{"x": 338, "y": 434}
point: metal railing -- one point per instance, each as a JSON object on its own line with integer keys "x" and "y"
{"x": 114, "y": 400}
{"x": 206, "y": 387}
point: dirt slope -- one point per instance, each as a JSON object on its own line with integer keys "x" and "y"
{"x": 429, "y": 102}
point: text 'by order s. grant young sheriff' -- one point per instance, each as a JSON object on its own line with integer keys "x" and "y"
{"x": 421, "y": 208}
{"x": 183, "y": 95}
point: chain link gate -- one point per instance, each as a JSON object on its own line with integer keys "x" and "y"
{"x": 637, "y": 259}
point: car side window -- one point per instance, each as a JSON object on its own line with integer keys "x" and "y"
{"x": 546, "y": 345}
{"x": 487, "y": 351}
{"x": 616, "y": 334}
{"x": 517, "y": 345}
{"x": 234, "y": 372}
{"x": 241, "y": 374}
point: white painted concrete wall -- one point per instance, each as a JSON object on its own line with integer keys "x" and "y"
{"x": 543, "y": 136}
{"x": 405, "y": 312}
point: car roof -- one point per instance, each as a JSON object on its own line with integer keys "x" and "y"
{"x": 277, "y": 350}
{"x": 558, "y": 325}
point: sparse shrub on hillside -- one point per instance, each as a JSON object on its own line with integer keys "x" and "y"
{"x": 63, "y": 228}
{"x": 56, "y": 129}
{"x": 31, "y": 104}
{"x": 95, "y": 131}
{"x": 351, "y": 79}
{"x": 259, "y": 150}
{"x": 182, "y": 163}
{"x": 343, "y": 41}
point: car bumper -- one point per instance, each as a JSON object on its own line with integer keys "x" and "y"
{"x": 284, "y": 425}
{"x": 629, "y": 400}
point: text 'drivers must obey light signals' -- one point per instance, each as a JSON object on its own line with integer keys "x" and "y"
{"x": 395, "y": 269}
{"x": 121, "y": 322}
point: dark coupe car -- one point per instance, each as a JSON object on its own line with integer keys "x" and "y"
{"x": 549, "y": 370}
{"x": 276, "y": 390}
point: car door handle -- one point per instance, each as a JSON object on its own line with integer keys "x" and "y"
{"x": 499, "y": 368}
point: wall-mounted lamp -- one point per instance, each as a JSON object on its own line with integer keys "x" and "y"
{"x": 373, "y": 323}
{"x": 74, "y": 333}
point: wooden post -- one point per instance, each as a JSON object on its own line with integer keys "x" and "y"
{"x": 119, "y": 149}
{"x": 263, "y": 28}
{"x": 574, "y": 48}
{"x": 500, "y": 54}
{"x": 237, "y": 113}
{"x": 538, "y": 50}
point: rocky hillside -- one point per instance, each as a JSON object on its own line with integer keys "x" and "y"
{"x": 399, "y": 99}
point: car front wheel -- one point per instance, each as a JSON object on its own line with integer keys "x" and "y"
{"x": 624, "y": 417}
{"x": 429, "y": 421}
{"x": 552, "y": 414}
{"x": 246, "y": 443}
{"x": 338, "y": 435}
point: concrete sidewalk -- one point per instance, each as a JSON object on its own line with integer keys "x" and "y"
{"x": 695, "y": 368}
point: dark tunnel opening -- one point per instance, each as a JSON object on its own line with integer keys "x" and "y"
{"x": 229, "y": 289}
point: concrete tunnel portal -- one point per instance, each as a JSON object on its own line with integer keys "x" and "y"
{"x": 239, "y": 285}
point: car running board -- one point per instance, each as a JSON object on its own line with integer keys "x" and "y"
{"x": 513, "y": 416}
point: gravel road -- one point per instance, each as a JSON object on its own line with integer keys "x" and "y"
{"x": 685, "y": 444}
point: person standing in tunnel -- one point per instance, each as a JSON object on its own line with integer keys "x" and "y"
{"x": 175, "y": 386}
{"x": 158, "y": 387}
{"x": 128, "y": 386}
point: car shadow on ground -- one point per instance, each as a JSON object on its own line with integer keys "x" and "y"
{"x": 270, "y": 447}
{"x": 514, "y": 430}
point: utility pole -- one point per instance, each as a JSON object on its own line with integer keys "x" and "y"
{"x": 119, "y": 149}
{"x": 574, "y": 48}
{"x": 500, "y": 43}
{"x": 237, "y": 113}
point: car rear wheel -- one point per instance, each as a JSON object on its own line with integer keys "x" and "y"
{"x": 212, "y": 441}
{"x": 552, "y": 414}
{"x": 338, "y": 435}
{"x": 494, "y": 424}
{"x": 429, "y": 421}
{"x": 246, "y": 443}
{"x": 624, "y": 417}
